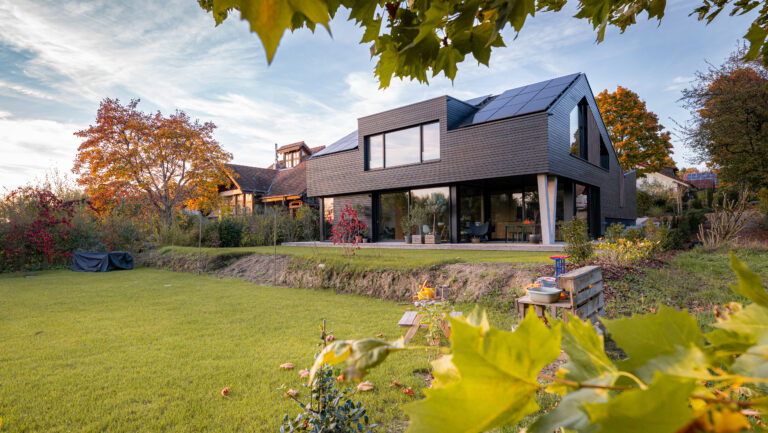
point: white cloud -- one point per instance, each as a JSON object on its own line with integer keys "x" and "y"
{"x": 31, "y": 146}
{"x": 679, "y": 83}
{"x": 25, "y": 91}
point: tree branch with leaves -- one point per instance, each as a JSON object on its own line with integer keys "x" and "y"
{"x": 419, "y": 38}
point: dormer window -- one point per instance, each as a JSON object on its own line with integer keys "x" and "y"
{"x": 292, "y": 159}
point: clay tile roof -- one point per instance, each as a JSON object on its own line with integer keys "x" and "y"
{"x": 292, "y": 181}
{"x": 253, "y": 178}
{"x": 313, "y": 150}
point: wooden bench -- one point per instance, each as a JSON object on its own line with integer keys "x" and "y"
{"x": 412, "y": 320}
{"x": 586, "y": 298}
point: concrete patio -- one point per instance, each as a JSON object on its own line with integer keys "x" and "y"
{"x": 485, "y": 246}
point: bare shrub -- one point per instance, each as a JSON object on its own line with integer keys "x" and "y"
{"x": 725, "y": 222}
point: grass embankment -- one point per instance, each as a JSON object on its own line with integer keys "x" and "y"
{"x": 150, "y": 350}
{"x": 697, "y": 280}
{"x": 378, "y": 258}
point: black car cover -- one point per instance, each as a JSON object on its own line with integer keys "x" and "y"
{"x": 102, "y": 262}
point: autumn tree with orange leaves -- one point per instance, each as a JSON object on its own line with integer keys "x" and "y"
{"x": 728, "y": 129}
{"x": 166, "y": 162}
{"x": 639, "y": 139}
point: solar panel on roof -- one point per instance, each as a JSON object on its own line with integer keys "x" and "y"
{"x": 347, "y": 142}
{"x": 477, "y": 101}
{"x": 525, "y": 99}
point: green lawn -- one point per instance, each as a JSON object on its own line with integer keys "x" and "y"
{"x": 150, "y": 350}
{"x": 380, "y": 258}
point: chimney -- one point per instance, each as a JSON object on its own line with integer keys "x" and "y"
{"x": 277, "y": 167}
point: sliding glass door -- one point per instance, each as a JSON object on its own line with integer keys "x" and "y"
{"x": 429, "y": 206}
{"x": 434, "y": 205}
{"x": 393, "y": 208}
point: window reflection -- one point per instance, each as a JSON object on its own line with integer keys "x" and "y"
{"x": 431, "y": 148}
{"x": 402, "y": 147}
{"x": 393, "y": 208}
{"x": 376, "y": 151}
{"x": 433, "y": 203}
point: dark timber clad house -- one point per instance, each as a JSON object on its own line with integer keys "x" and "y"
{"x": 521, "y": 162}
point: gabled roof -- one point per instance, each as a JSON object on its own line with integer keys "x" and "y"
{"x": 253, "y": 179}
{"x": 269, "y": 182}
{"x": 293, "y": 146}
{"x": 292, "y": 181}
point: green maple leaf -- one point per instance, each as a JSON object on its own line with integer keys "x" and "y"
{"x": 756, "y": 36}
{"x": 586, "y": 354}
{"x": 750, "y": 285}
{"x": 689, "y": 362}
{"x": 447, "y": 61}
{"x": 569, "y": 413}
{"x": 644, "y": 337}
{"x": 269, "y": 19}
{"x": 662, "y": 408}
{"x": 745, "y": 331}
{"x": 496, "y": 381}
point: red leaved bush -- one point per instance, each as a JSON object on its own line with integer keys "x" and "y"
{"x": 37, "y": 228}
{"x": 347, "y": 230}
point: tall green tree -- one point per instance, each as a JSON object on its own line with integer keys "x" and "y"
{"x": 415, "y": 38}
{"x": 729, "y": 126}
{"x": 639, "y": 139}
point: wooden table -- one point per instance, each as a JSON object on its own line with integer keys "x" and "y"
{"x": 412, "y": 320}
{"x": 525, "y": 302}
{"x": 518, "y": 228}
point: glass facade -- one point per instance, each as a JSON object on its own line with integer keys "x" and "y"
{"x": 514, "y": 213}
{"x": 402, "y": 147}
{"x": 429, "y": 206}
{"x": 393, "y": 208}
{"x": 510, "y": 208}
{"x": 327, "y": 216}
{"x": 434, "y": 204}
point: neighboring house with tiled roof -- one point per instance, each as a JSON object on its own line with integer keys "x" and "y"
{"x": 251, "y": 189}
{"x": 703, "y": 180}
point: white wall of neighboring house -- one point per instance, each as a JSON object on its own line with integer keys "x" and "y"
{"x": 659, "y": 179}
{"x": 656, "y": 182}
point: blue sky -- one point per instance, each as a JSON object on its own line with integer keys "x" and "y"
{"x": 59, "y": 58}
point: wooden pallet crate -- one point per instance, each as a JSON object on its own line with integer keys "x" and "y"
{"x": 586, "y": 299}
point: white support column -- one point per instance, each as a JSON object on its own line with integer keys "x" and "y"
{"x": 547, "y": 207}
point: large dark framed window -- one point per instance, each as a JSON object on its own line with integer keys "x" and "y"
{"x": 412, "y": 145}
{"x": 428, "y": 208}
{"x": 578, "y": 130}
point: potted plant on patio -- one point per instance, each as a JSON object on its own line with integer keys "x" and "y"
{"x": 417, "y": 216}
{"x": 406, "y": 225}
{"x": 434, "y": 205}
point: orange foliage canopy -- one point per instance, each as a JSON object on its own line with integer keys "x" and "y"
{"x": 167, "y": 161}
{"x": 640, "y": 141}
